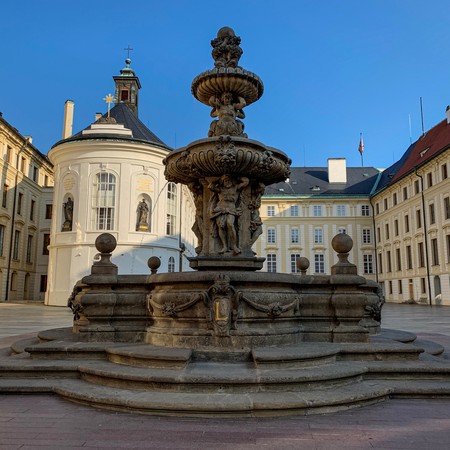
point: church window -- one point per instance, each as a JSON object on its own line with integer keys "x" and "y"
{"x": 104, "y": 201}
{"x": 171, "y": 265}
{"x": 124, "y": 95}
{"x": 171, "y": 208}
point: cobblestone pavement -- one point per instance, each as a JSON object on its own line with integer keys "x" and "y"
{"x": 47, "y": 422}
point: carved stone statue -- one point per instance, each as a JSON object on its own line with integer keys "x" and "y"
{"x": 197, "y": 228}
{"x": 225, "y": 209}
{"x": 228, "y": 111}
{"x": 68, "y": 215}
{"x": 255, "y": 218}
{"x": 226, "y": 51}
{"x": 142, "y": 216}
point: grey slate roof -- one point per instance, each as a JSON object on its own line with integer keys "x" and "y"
{"x": 123, "y": 115}
{"x": 313, "y": 181}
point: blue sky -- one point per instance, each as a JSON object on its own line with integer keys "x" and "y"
{"x": 331, "y": 69}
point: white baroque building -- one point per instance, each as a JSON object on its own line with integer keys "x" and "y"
{"x": 103, "y": 176}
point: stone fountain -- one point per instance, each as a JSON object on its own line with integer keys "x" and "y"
{"x": 226, "y": 338}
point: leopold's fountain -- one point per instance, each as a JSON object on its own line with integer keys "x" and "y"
{"x": 225, "y": 338}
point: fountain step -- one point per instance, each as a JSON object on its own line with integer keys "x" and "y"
{"x": 418, "y": 370}
{"x": 379, "y": 351}
{"x": 214, "y": 377}
{"x": 69, "y": 350}
{"x": 235, "y": 404}
{"x": 28, "y": 368}
{"x": 430, "y": 347}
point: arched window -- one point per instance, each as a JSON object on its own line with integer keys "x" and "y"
{"x": 171, "y": 266}
{"x": 104, "y": 201}
{"x": 171, "y": 208}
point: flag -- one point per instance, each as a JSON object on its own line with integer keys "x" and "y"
{"x": 361, "y": 144}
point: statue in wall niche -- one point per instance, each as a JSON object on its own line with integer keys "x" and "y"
{"x": 228, "y": 110}
{"x": 225, "y": 211}
{"x": 197, "y": 192}
{"x": 68, "y": 215}
{"x": 226, "y": 50}
{"x": 142, "y": 216}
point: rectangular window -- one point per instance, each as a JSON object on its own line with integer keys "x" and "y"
{"x": 32, "y": 206}
{"x": 45, "y": 180}
{"x": 295, "y": 238}
{"x": 340, "y": 210}
{"x": 430, "y": 179}
{"x": 35, "y": 174}
{"x": 317, "y": 210}
{"x": 394, "y": 198}
{"x": 2, "y": 238}
{"x": 419, "y": 218}
{"x": 271, "y": 236}
{"x": 447, "y": 208}
{"x": 271, "y": 262}
{"x": 434, "y": 252}
{"x": 104, "y": 200}
{"x": 385, "y": 204}
{"x": 16, "y": 245}
{"x": 400, "y": 287}
{"x": 46, "y": 243}
{"x": 409, "y": 257}
{"x": 29, "y": 247}
{"x": 294, "y": 258}
{"x": 389, "y": 262}
{"x": 318, "y": 236}
{"x": 448, "y": 247}
{"x": 8, "y": 154}
{"x": 48, "y": 211}
{"x": 444, "y": 171}
{"x": 19, "y": 203}
{"x": 416, "y": 187}
{"x": 5, "y": 196}
{"x": 406, "y": 223}
{"x": 365, "y": 210}
{"x": 294, "y": 210}
{"x": 420, "y": 254}
{"x": 398, "y": 259}
{"x": 390, "y": 287}
{"x": 368, "y": 263}
{"x": 22, "y": 164}
{"x": 432, "y": 214}
{"x": 319, "y": 263}
{"x": 386, "y": 227}
{"x": 380, "y": 262}
{"x": 43, "y": 284}
{"x": 377, "y": 207}
{"x": 396, "y": 227}
{"x": 405, "y": 193}
{"x": 366, "y": 236}
{"x": 423, "y": 286}
{"x": 271, "y": 211}
{"x": 378, "y": 234}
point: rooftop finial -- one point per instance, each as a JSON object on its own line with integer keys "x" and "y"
{"x": 128, "y": 49}
{"x": 226, "y": 51}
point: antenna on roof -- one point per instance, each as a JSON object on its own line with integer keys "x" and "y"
{"x": 421, "y": 115}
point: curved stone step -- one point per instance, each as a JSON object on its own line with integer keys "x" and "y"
{"x": 433, "y": 348}
{"x": 410, "y": 370}
{"x": 237, "y": 404}
{"x": 211, "y": 377}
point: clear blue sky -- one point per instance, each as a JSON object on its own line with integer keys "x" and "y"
{"x": 331, "y": 69}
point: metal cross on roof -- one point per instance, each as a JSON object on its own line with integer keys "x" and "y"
{"x": 128, "y": 49}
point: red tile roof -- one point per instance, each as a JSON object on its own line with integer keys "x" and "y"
{"x": 433, "y": 142}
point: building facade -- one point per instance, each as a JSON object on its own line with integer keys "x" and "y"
{"x": 412, "y": 221}
{"x": 302, "y": 215}
{"x": 25, "y": 216}
{"x": 110, "y": 178}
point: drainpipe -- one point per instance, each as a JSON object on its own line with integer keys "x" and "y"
{"x": 13, "y": 221}
{"x": 426, "y": 236}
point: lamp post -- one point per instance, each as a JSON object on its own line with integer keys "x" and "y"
{"x": 13, "y": 220}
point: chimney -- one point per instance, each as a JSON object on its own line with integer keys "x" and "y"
{"x": 97, "y": 116}
{"x": 447, "y": 112}
{"x": 337, "y": 170}
{"x": 68, "y": 119}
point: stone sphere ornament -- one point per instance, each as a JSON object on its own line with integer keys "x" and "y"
{"x": 303, "y": 264}
{"x": 154, "y": 263}
{"x": 342, "y": 243}
{"x": 105, "y": 243}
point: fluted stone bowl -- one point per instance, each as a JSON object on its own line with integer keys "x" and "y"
{"x": 238, "y": 81}
{"x": 214, "y": 157}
